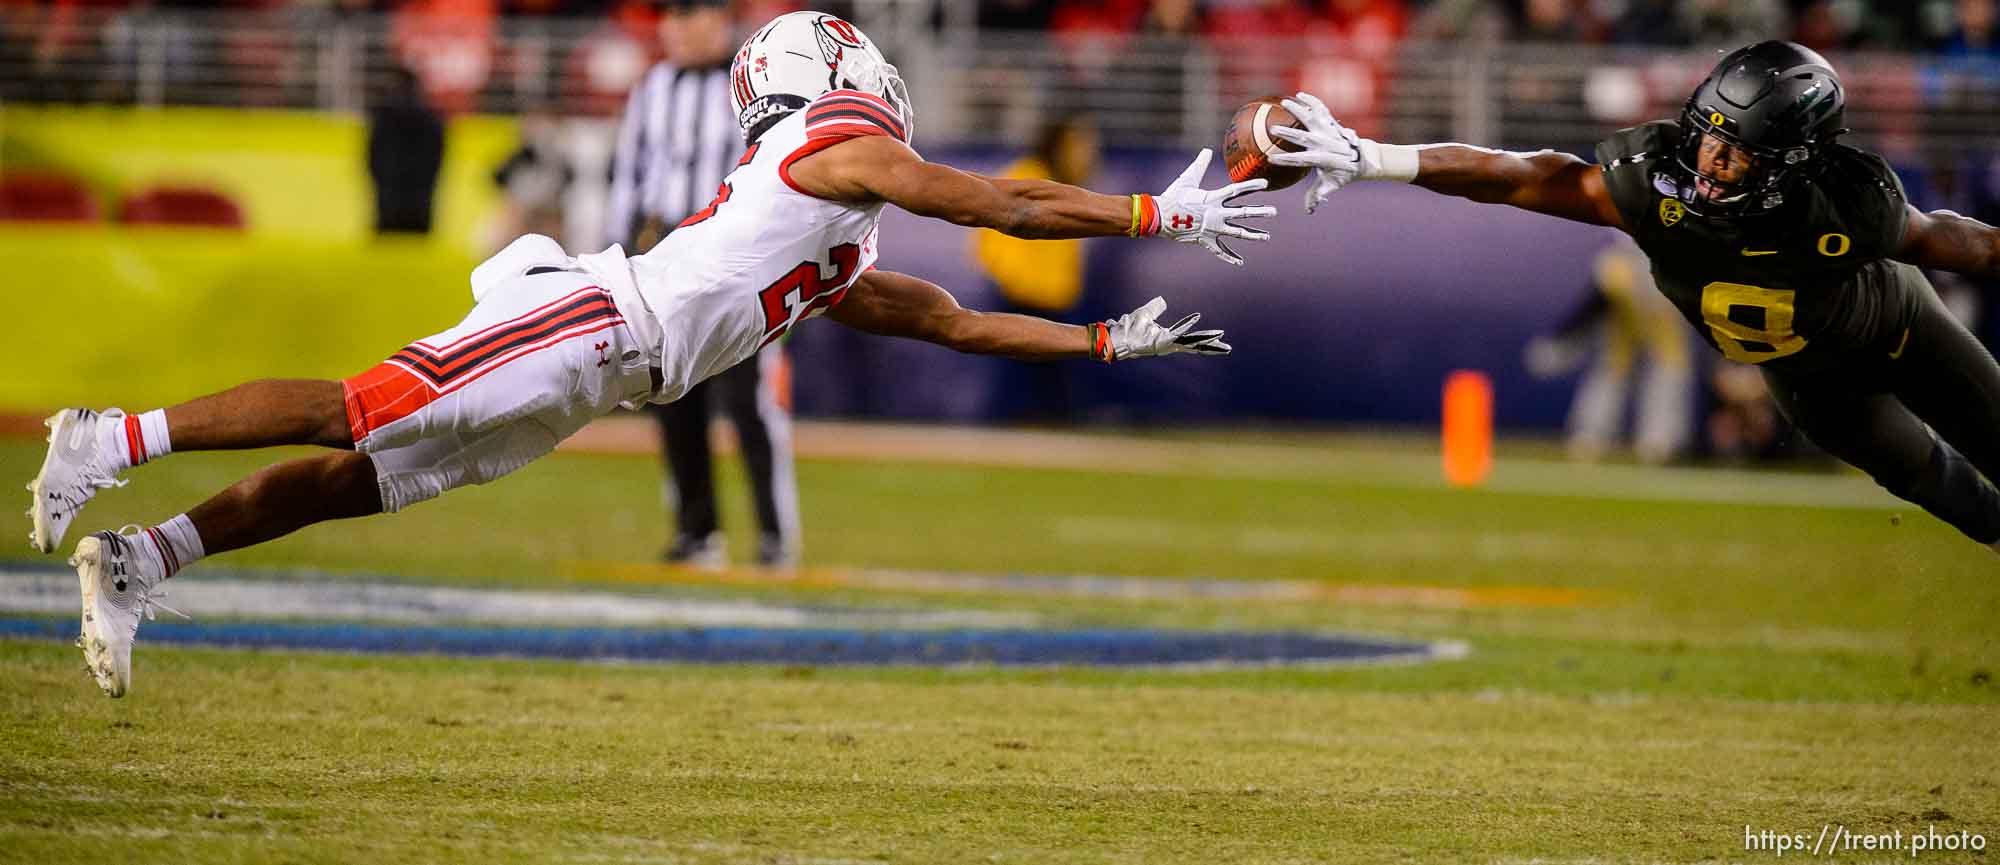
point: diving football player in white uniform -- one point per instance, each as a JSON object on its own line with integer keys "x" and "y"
{"x": 554, "y": 341}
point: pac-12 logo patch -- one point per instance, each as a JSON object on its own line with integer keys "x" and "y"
{"x": 1670, "y": 212}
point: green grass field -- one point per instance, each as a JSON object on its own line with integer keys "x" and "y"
{"x": 1816, "y": 659}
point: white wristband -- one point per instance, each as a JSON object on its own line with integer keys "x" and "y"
{"x": 1396, "y": 162}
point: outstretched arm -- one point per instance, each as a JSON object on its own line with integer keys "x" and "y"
{"x": 894, "y": 304}
{"x": 1557, "y": 184}
{"x": 1945, "y": 240}
{"x": 880, "y": 168}
{"x": 1547, "y": 182}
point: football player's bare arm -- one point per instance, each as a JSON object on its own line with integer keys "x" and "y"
{"x": 894, "y": 304}
{"x": 1553, "y": 183}
{"x": 1547, "y": 182}
{"x": 885, "y": 303}
{"x": 1945, "y": 240}
{"x": 878, "y": 168}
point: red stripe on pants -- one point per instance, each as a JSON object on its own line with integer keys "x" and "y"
{"x": 384, "y": 394}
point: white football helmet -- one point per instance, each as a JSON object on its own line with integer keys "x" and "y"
{"x": 801, "y": 56}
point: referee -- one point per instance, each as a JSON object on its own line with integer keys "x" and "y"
{"x": 678, "y": 139}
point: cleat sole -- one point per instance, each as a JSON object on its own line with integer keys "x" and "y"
{"x": 87, "y": 560}
{"x": 39, "y": 536}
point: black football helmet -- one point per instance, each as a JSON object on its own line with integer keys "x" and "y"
{"x": 1777, "y": 103}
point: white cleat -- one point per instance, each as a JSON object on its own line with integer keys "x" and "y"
{"x": 118, "y": 587}
{"x": 72, "y": 473}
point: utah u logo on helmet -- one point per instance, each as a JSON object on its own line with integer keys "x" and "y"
{"x": 799, "y": 57}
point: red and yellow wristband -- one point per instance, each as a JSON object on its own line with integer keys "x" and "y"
{"x": 1100, "y": 341}
{"x": 1145, "y": 217}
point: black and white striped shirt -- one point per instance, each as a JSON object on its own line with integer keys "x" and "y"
{"x": 678, "y": 139}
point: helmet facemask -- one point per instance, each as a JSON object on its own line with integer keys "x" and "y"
{"x": 877, "y": 76}
{"x": 1722, "y": 176}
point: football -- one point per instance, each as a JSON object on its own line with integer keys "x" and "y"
{"x": 1249, "y": 141}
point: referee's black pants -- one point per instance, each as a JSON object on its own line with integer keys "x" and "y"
{"x": 763, "y": 430}
{"x": 1878, "y": 413}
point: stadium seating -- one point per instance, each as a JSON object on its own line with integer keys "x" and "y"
{"x": 45, "y": 197}
{"x": 181, "y": 205}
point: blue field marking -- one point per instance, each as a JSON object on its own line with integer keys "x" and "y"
{"x": 1006, "y": 648}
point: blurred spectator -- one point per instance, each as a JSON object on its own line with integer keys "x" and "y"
{"x": 1015, "y": 14}
{"x": 1350, "y": 59}
{"x": 609, "y": 63}
{"x": 1553, "y": 21}
{"x": 1728, "y": 23}
{"x": 1254, "y": 18}
{"x": 1972, "y": 33}
{"x": 1256, "y": 48}
{"x": 1962, "y": 79}
{"x": 755, "y": 13}
{"x": 1468, "y": 20}
{"x": 1040, "y": 277}
{"x": 1652, "y": 22}
{"x": 1637, "y": 337}
{"x": 449, "y": 44}
{"x": 533, "y": 181}
{"x": 405, "y": 151}
{"x": 1829, "y": 25}
{"x": 1127, "y": 79}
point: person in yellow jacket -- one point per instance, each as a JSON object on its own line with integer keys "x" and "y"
{"x": 1638, "y": 338}
{"x": 1040, "y": 277}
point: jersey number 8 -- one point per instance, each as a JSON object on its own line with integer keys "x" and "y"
{"x": 1745, "y": 342}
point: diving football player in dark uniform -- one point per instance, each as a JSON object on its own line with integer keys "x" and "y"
{"x": 1783, "y": 247}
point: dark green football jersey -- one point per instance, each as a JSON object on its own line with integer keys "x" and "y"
{"x": 1803, "y": 286}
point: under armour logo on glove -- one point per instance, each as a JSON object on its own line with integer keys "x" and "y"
{"x": 602, "y": 358}
{"x": 1190, "y": 214}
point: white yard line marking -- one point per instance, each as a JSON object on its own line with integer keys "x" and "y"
{"x": 1117, "y": 587}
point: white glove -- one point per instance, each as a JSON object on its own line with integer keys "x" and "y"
{"x": 1190, "y": 214}
{"x": 1138, "y": 334}
{"x": 1336, "y": 154}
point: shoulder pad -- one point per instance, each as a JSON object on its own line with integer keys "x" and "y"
{"x": 851, "y": 113}
{"x": 1655, "y": 140}
{"x": 1868, "y": 197}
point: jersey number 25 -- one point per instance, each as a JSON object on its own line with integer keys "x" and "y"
{"x": 799, "y": 293}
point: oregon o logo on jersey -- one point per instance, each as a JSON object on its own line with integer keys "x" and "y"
{"x": 1834, "y": 245}
{"x": 1670, "y": 211}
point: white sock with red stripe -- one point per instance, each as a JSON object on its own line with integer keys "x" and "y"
{"x": 136, "y": 438}
{"x": 176, "y": 543}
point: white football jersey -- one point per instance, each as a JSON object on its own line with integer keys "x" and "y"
{"x": 763, "y": 255}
